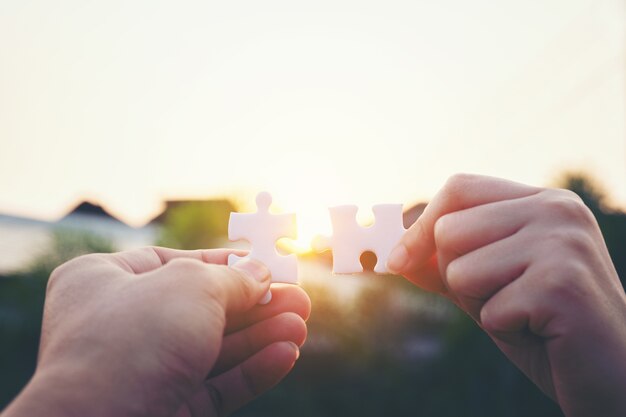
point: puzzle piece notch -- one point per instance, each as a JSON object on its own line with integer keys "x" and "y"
{"x": 262, "y": 229}
{"x": 349, "y": 240}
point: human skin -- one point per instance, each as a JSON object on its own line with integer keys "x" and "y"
{"x": 160, "y": 332}
{"x": 531, "y": 267}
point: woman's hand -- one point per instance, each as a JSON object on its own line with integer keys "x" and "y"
{"x": 531, "y": 267}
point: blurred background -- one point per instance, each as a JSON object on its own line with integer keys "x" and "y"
{"x": 124, "y": 124}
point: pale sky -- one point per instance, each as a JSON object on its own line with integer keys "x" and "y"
{"x": 321, "y": 103}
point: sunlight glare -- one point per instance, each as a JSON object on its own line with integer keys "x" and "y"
{"x": 310, "y": 224}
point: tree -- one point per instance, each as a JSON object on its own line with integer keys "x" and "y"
{"x": 195, "y": 224}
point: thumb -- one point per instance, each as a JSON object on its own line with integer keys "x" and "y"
{"x": 415, "y": 258}
{"x": 236, "y": 288}
{"x": 248, "y": 283}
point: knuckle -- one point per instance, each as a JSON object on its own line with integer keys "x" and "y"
{"x": 248, "y": 382}
{"x": 454, "y": 277}
{"x": 216, "y": 398}
{"x": 304, "y": 307}
{"x": 65, "y": 273}
{"x": 56, "y": 276}
{"x": 487, "y": 319}
{"x": 569, "y": 240}
{"x": 574, "y": 270}
{"x": 567, "y": 205}
{"x": 457, "y": 184}
{"x": 566, "y": 280}
{"x": 446, "y": 232}
{"x": 292, "y": 327}
{"x": 195, "y": 278}
{"x": 153, "y": 251}
{"x": 459, "y": 181}
{"x": 245, "y": 286}
{"x": 415, "y": 234}
{"x": 458, "y": 188}
{"x": 441, "y": 228}
{"x": 300, "y": 301}
{"x": 565, "y": 193}
{"x": 186, "y": 265}
{"x": 228, "y": 283}
{"x": 292, "y": 320}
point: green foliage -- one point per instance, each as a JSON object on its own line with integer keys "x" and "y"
{"x": 68, "y": 244}
{"x": 21, "y": 307}
{"x": 195, "y": 224}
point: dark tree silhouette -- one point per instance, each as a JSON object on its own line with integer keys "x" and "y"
{"x": 612, "y": 221}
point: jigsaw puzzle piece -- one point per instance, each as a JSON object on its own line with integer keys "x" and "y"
{"x": 349, "y": 240}
{"x": 282, "y": 226}
{"x": 284, "y": 269}
{"x": 385, "y": 233}
{"x": 345, "y": 242}
{"x": 262, "y": 226}
{"x": 346, "y": 257}
{"x": 262, "y": 229}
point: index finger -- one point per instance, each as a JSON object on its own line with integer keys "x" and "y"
{"x": 461, "y": 191}
{"x": 285, "y": 298}
{"x": 138, "y": 261}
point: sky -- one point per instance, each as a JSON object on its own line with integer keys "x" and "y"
{"x": 129, "y": 103}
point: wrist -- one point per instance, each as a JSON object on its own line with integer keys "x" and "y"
{"x": 70, "y": 391}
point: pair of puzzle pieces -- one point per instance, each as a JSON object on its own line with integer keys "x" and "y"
{"x": 262, "y": 229}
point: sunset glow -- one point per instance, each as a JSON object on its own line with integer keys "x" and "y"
{"x": 321, "y": 104}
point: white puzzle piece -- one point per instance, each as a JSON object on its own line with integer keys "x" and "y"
{"x": 262, "y": 229}
{"x": 350, "y": 240}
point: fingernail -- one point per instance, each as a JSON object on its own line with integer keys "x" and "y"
{"x": 398, "y": 259}
{"x": 266, "y": 298}
{"x": 296, "y": 348}
{"x": 253, "y": 268}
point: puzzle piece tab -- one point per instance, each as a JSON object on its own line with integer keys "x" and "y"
{"x": 262, "y": 230}
{"x": 350, "y": 240}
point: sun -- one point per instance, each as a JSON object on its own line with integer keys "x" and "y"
{"x": 309, "y": 226}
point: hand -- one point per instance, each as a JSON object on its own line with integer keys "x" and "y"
{"x": 531, "y": 267}
{"x": 161, "y": 332}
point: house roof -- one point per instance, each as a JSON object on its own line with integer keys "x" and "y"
{"x": 91, "y": 209}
